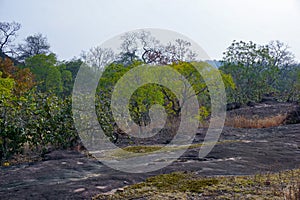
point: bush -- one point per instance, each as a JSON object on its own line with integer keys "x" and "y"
{"x": 39, "y": 120}
{"x": 12, "y": 132}
{"x": 49, "y": 122}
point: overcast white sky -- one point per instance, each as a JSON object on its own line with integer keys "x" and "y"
{"x": 75, "y": 25}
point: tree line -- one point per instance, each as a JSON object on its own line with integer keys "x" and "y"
{"x": 260, "y": 70}
{"x": 36, "y": 88}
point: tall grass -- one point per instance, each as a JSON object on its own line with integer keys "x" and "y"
{"x": 243, "y": 122}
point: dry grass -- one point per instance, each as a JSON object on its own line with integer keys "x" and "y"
{"x": 292, "y": 191}
{"x": 179, "y": 185}
{"x": 143, "y": 150}
{"x": 256, "y": 122}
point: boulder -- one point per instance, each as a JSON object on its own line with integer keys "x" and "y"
{"x": 293, "y": 117}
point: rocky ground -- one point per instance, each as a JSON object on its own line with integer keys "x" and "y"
{"x": 268, "y": 109}
{"x": 73, "y": 175}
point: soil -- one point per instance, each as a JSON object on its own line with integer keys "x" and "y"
{"x": 73, "y": 175}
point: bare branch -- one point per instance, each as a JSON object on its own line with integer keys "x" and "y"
{"x": 8, "y": 33}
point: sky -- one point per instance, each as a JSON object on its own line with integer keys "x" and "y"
{"x": 72, "y": 26}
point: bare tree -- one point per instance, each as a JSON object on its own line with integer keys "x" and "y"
{"x": 181, "y": 51}
{"x": 8, "y": 33}
{"x": 33, "y": 45}
{"x": 142, "y": 45}
{"x": 170, "y": 53}
{"x": 280, "y": 54}
{"x": 98, "y": 57}
{"x": 130, "y": 43}
{"x": 134, "y": 44}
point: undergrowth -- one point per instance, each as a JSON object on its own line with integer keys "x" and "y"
{"x": 181, "y": 185}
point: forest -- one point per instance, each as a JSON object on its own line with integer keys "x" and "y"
{"x": 36, "y": 93}
{"x": 36, "y": 87}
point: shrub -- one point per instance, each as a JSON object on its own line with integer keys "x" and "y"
{"x": 49, "y": 122}
{"x": 12, "y": 132}
{"x": 40, "y": 120}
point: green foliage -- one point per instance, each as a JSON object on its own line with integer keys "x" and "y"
{"x": 39, "y": 65}
{"x": 53, "y": 77}
{"x": 150, "y": 94}
{"x": 23, "y": 78}
{"x": 11, "y": 135}
{"x": 298, "y": 85}
{"x": 256, "y": 69}
{"x": 49, "y": 122}
{"x": 73, "y": 66}
{"x": 53, "y": 80}
{"x": 109, "y": 78}
{"x": 6, "y": 86}
{"x": 180, "y": 182}
{"x": 142, "y": 100}
{"x": 12, "y": 132}
{"x": 67, "y": 82}
{"x": 40, "y": 120}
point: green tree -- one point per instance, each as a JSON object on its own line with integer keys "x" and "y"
{"x": 73, "y": 66}
{"x": 41, "y": 120}
{"x": 49, "y": 122}
{"x": 39, "y": 65}
{"x": 50, "y": 74}
{"x": 255, "y": 69}
{"x": 53, "y": 81}
{"x": 150, "y": 94}
{"x": 67, "y": 82}
{"x": 8, "y": 33}
{"x": 12, "y": 134}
